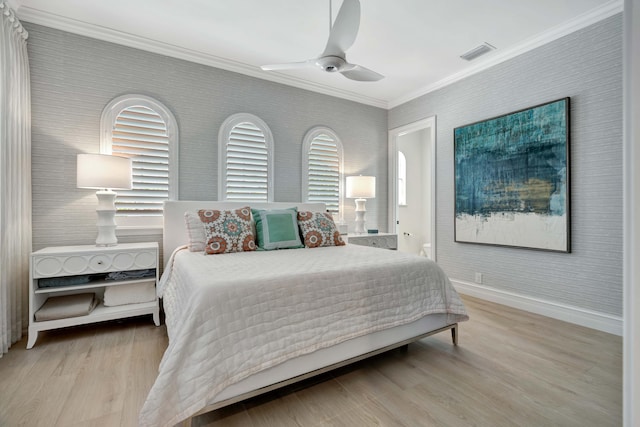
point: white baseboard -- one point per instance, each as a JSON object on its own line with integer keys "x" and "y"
{"x": 579, "y": 316}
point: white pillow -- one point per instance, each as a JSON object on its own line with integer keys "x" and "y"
{"x": 197, "y": 234}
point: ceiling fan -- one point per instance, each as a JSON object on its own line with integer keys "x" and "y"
{"x": 341, "y": 37}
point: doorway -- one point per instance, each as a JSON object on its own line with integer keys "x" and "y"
{"x": 412, "y": 187}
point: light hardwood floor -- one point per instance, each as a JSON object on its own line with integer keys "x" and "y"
{"x": 511, "y": 368}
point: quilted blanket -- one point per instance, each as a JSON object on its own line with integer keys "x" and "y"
{"x": 230, "y": 316}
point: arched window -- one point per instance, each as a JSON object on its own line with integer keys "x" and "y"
{"x": 402, "y": 179}
{"x": 143, "y": 129}
{"x": 322, "y": 168}
{"x": 246, "y": 156}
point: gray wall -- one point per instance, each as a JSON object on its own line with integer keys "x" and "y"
{"x": 74, "y": 77}
{"x": 586, "y": 66}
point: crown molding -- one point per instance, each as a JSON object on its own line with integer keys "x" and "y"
{"x": 595, "y": 15}
{"x": 37, "y": 16}
{"x": 47, "y": 19}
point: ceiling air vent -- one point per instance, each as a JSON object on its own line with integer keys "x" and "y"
{"x": 477, "y": 51}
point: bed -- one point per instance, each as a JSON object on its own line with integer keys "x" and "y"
{"x": 242, "y": 324}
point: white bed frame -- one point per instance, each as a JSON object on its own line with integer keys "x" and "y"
{"x": 308, "y": 365}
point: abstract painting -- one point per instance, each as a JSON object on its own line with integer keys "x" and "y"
{"x": 512, "y": 179}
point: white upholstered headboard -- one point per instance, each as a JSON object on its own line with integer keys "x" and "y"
{"x": 175, "y": 230}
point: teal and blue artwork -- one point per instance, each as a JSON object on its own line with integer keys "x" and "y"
{"x": 512, "y": 179}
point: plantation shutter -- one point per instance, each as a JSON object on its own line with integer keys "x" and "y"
{"x": 324, "y": 173}
{"x": 141, "y": 134}
{"x": 247, "y": 164}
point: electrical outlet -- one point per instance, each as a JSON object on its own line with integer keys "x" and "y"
{"x": 479, "y": 278}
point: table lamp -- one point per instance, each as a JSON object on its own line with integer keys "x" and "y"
{"x": 104, "y": 173}
{"x": 361, "y": 188}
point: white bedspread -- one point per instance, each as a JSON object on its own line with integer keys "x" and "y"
{"x": 230, "y": 316}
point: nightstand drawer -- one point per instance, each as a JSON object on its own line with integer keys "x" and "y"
{"x": 70, "y": 265}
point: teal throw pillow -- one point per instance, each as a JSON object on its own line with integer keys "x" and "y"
{"x": 277, "y": 229}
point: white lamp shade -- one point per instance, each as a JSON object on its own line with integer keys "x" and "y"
{"x": 361, "y": 187}
{"x": 102, "y": 171}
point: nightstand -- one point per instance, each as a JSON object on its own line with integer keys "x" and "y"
{"x": 379, "y": 240}
{"x": 72, "y": 270}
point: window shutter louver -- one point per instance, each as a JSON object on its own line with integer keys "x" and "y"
{"x": 141, "y": 134}
{"x": 324, "y": 173}
{"x": 247, "y": 164}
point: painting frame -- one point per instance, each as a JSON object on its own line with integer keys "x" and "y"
{"x": 512, "y": 179}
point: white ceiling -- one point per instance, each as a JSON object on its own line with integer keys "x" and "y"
{"x": 416, "y": 44}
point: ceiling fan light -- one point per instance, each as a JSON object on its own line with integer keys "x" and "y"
{"x": 331, "y": 64}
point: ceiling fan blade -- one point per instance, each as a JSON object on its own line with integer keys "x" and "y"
{"x": 289, "y": 65}
{"x": 344, "y": 30}
{"x": 360, "y": 73}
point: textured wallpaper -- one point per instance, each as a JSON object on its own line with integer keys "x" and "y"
{"x": 586, "y": 66}
{"x": 74, "y": 77}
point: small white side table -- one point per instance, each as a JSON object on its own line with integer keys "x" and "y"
{"x": 379, "y": 240}
{"x": 65, "y": 261}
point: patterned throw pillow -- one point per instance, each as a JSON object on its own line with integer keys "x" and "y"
{"x": 228, "y": 231}
{"x": 277, "y": 229}
{"x": 318, "y": 229}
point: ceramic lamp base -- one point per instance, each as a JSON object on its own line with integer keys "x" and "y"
{"x": 361, "y": 212}
{"x": 106, "y": 218}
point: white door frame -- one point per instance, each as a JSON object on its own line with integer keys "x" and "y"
{"x": 631, "y": 157}
{"x": 430, "y": 125}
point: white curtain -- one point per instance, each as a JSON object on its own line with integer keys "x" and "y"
{"x": 15, "y": 177}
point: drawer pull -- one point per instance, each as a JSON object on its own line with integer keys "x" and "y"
{"x": 100, "y": 263}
